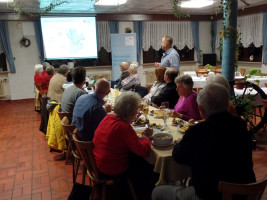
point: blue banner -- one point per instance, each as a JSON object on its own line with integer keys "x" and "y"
{"x": 123, "y": 49}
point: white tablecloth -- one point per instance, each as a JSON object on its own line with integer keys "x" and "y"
{"x": 258, "y": 98}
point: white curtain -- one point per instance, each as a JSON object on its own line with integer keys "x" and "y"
{"x": 250, "y": 27}
{"x": 103, "y": 35}
{"x": 181, "y": 32}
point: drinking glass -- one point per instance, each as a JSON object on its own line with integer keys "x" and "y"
{"x": 145, "y": 109}
{"x": 165, "y": 116}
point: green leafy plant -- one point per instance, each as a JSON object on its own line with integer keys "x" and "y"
{"x": 176, "y": 10}
{"x": 244, "y": 106}
{"x": 209, "y": 67}
{"x": 253, "y": 72}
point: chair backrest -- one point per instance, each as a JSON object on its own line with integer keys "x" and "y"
{"x": 63, "y": 114}
{"x": 85, "y": 149}
{"x": 69, "y": 129}
{"x": 217, "y": 71}
{"x": 201, "y": 71}
{"x": 253, "y": 191}
{"x": 242, "y": 71}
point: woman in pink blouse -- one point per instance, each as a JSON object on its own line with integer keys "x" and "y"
{"x": 187, "y": 107}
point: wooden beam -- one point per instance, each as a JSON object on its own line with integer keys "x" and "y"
{"x": 150, "y": 17}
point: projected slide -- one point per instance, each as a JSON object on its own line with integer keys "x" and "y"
{"x": 69, "y": 37}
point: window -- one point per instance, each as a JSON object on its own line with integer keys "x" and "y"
{"x": 3, "y": 65}
{"x": 246, "y": 53}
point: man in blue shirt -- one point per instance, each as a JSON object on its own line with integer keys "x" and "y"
{"x": 88, "y": 111}
{"x": 170, "y": 57}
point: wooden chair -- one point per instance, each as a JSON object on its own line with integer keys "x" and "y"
{"x": 253, "y": 191}
{"x": 69, "y": 129}
{"x": 201, "y": 71}
{"x": 217, "y": 71}
{"x": 85, "y": 149}
{"x": 242, "y": 71}
{"x": 63, "y": 114}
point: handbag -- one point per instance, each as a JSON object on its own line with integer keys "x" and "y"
{"x": 80, "y": 192}
{"x": 51, "y": 104}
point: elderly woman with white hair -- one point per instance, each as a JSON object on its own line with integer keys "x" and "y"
{"x": 39, "y": 80}
{"x": 132, "y": 80}
{"x": 115, "y": 138}
{"x": 187, "y": 107}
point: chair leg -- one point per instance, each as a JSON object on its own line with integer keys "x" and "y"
{"x": 131, "y": 188}
{"x": 104, "y": 188}
{"x": 77, "y": 165}
{"x": 84, "y": 174}
{"x": 92, "y": 193}
{"x": 68, "y": 153}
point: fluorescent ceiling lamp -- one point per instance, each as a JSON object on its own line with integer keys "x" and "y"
{"x": 110, "y": 2}
{"x": 5, "y": 1}
{"x": 196, "y": 3}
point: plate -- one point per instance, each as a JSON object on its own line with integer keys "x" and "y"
{"x": 162, "y": 145}
{"x": 181, "y": 129}
{"x": 139, "y": 130}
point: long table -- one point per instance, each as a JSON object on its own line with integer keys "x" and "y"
{"x": 161, "y": 157}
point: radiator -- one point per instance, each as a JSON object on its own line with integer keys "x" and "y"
{"x": 2, "y": 88}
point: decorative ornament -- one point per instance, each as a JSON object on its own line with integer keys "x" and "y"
{"x": 25, "y": 42}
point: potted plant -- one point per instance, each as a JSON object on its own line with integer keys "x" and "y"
{"x": 209, "y": 67}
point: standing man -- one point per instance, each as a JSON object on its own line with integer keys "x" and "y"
{"x": 88, "y": 111}
{"x": 170, "y": 57}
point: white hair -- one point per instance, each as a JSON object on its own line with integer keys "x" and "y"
{"x": 126, "y": 105}
{"x": 38, "y": 68}
{"x": 218, "y": 79}
{"x": 214, "y": 98}
{"x": 133, "y": 67}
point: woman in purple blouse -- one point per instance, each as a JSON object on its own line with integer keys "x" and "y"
{"x": 187, "y": 107}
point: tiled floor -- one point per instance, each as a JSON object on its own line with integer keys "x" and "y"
{"x": 28, "y": 170}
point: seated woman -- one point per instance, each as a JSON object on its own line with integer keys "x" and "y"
{"x": 39, "y": 80}
{"x": 158, "y": 84}
{"x": 187, "y": 107}
{"x": 115, "y": 138}
{"x": 49, "y": 74}
{"x": 132, "y": 80}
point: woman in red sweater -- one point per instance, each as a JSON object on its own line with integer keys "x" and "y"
{"x": 115, "y": 138}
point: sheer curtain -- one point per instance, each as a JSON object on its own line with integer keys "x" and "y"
{"x": 181, "y": 33}
{"x": 103, "y": 35}
{"x": 250, "y": 27}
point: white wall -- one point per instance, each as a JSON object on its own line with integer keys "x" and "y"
{"x": 205, "y": 38}
{"x": 21, "y": 83}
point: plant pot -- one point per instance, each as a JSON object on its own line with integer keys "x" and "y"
{"x": 240, "y": 83}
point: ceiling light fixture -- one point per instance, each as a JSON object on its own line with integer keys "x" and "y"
{"x": 110, "y": 2}
{"x": 196, "y": 3}
{"x": 5, "y": 1}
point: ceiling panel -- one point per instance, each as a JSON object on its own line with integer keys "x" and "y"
{"x": 131, "y": 7}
